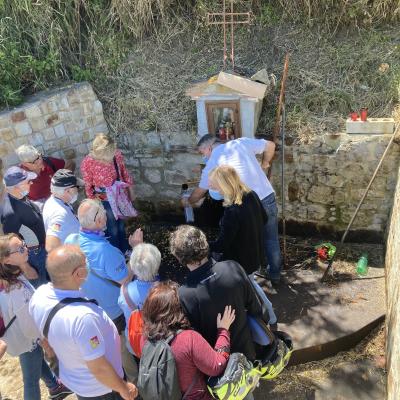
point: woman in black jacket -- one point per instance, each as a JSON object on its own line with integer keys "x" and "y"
{"x": 241, "y": 237}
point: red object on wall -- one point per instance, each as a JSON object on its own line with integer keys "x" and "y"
{"x": 364, "y": 114}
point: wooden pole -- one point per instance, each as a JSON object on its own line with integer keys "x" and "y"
{"x": 276, "y": 130}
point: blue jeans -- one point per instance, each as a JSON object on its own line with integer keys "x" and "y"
{"x": 115, "y": 230}
{"x": 34, "y": 367}
{"x": 271, "y": 237}
{"x": 265, "y": 300}
{"x": 37, "y": 258}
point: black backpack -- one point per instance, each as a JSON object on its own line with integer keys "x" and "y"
{"x": 158, "y": 377}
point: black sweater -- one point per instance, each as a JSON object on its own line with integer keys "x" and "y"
{"x": 207, "y": 291}
{"x": 242, "y": 233}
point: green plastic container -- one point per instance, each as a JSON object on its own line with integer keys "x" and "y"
{"x": 362, "y": 265}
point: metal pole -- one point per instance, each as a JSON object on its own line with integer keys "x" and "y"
{"x": 224, "y": 24}
{"x": 330, "y": 265}
{"x": 283, "y": 193}
{"x": 232, "y": 44}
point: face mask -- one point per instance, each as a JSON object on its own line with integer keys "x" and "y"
{"x": 24, "y": 193}
{"x": 74, "y": 198}
{"x": 214, "y": 194}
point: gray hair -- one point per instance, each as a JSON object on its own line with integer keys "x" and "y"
{"x": 188, "y": 244}
{"x": 58, "y": 190}
{"x": 87, "y": 213}
{"x": 207, "y": 139}
{"x": 27, "y": 153}
{"x": 145, "y": 261}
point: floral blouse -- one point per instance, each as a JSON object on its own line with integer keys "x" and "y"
{"x": 100, "y": 174}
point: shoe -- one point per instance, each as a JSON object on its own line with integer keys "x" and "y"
{"x": 59, "y": 392}
{"x": 265, "y": 275}
{"x": 273, "y": 327}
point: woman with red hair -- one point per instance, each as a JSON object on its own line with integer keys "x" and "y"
{"x": 194, "y": 357}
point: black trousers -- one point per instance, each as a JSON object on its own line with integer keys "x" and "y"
{"x": 108, "y": 396}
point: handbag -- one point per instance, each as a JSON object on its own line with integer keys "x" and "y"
{"x": 120, "y": 202}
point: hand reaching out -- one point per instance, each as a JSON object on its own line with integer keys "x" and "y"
{"x": 226, "y": 320}
{"x": 136, "y": 238}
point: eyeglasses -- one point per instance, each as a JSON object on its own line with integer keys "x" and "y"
{"x": 95, "y": 215}
{"x": 20, "y": 249}
{"x": 37, "y": 158}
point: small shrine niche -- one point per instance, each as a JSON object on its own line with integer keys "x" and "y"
{"x": 228, "y": 105}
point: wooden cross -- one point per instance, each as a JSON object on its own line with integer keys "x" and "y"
{"x": 228, "y": 18}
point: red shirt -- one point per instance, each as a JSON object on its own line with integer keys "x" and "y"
{"x": 40, "y": 187}
{"x": 97, "y": 173}
{"x": 193, "y": 355}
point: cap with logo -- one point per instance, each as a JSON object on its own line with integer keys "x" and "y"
{"x": 65, "y": 178}
{"x": 15, "y": 175}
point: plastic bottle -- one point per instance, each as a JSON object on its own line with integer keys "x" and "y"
{"x": 362, "y": 265}
{"x": 189, "y": 214}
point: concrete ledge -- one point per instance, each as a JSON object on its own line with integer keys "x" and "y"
{"x": 371, "y": 126}
{"x": 325, "y": 318}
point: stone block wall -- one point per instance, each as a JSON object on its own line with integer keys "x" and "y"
{"x": 392, "y": 265}
{"x": 60, "y": 123}
{"x": 325, "y": 176}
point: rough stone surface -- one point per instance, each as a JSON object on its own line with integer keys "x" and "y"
{"x": 392, "y": 262}
{"x": 60, "y": 122}
{"x": 152, "y": 175}
{"x": 330, "y": 171}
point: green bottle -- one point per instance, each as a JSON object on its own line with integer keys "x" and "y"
{"x": 362, "y": 265}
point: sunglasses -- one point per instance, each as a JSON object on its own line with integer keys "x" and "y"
{"x": 20, "y": 249}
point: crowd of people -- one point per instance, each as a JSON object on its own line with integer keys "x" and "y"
{"x": 74, "y": 287}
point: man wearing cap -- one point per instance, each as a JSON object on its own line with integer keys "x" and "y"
{"x": 58, "y": 215}
{"x": 44, "y": 168}
{"x": 21, "y": 216}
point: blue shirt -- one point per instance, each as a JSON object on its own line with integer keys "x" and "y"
{"x": 108, "y": 262}
{"x": 137, "y": 292}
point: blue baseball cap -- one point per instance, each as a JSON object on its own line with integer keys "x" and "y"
{"x": 15, "y": 175}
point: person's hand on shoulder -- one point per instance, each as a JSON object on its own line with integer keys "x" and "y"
{"x": 227, "y": 319}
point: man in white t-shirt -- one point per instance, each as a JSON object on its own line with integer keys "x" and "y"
{"x": 81, "y": 334}
{"x": 241, "y": 155}
{"x": 58, "y": 215}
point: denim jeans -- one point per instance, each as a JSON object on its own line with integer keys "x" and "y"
{"x": 271, "y": 237}
{"x": 37, "y": 258}
{"x": 34, "y": 367}
{"x": 115, "y": 230}
{"x": 265, "y": 300}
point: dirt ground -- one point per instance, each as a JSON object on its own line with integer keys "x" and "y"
{"x": 296, "y": 382}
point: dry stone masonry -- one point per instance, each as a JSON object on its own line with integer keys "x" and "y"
{"x": 59, "y": 122}
{"x": 325, "y": 175}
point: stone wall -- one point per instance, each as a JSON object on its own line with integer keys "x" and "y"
{"x": 325, "y": 176}
{"x": 59, "y": 122}
{"x": 393, "y": 300}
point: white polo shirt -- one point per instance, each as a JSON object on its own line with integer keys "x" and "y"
{"x": 241, "y": 155}
{"x": 78, "y": 333}
{"x": 59, "y": 219}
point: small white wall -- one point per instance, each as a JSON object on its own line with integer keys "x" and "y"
{"x": 202, "y": 126}
{"x": 247, "y": 116}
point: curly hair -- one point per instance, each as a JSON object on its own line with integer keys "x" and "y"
{"x": 162, "y": 312}
{"x": 188, "y": 244}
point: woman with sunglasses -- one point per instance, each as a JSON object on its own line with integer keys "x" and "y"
{"x": 21, "y": 335}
